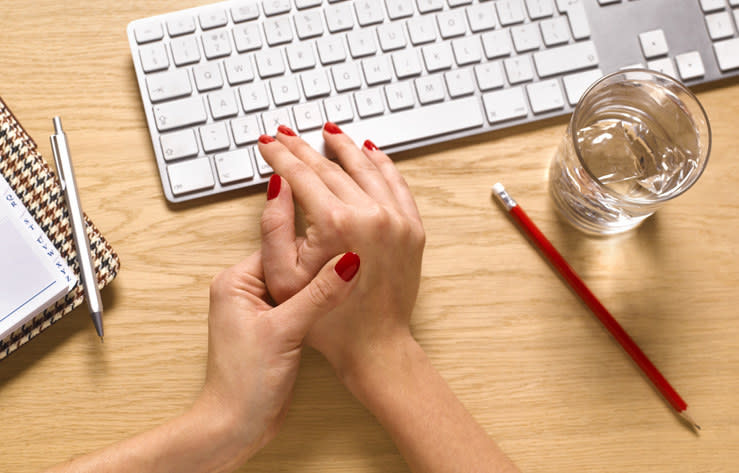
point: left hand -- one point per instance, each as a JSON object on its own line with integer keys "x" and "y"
{"x": 254, "y": 348}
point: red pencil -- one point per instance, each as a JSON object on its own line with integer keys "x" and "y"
{"x": 577, "y": 285}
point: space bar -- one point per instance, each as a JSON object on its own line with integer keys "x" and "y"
{"x": 410, "y": 125}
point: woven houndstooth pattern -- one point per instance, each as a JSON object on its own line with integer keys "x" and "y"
{"x": 38, "y": 189}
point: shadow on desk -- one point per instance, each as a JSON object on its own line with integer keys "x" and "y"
{"x": 61, "y": 332}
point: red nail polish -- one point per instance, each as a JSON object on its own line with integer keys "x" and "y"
{"x": 273, "y": 188}
{"x": 286, "y": 130}
{"x": 370, "y": 145}
{"x": 266, "y": 139}
{"x": 347, "y": 266}
{"x": 332, "y": 128}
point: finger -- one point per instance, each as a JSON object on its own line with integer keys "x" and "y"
{"x": 279, "y": 245}
{"x": 335, "y": 178}
{"x": 327, "y": 290}
{"x": 308, "y": 188}
{"x": 395, "y": 181}
{"x": 356, "y": 164}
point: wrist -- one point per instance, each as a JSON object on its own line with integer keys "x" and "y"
{"x": 381, "y": 366}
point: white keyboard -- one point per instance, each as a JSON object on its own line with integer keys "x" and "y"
{"x": 403, "y": 73}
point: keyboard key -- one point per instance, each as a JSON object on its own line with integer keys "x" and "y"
{"x": 275, "y": 7}
{"x": 399, "y": 96}
{"x": 308, "y": 24}
{"x": 244, "y": 12}
{"x": 663, "y": 65}
{"x": 168, "y": 85}
{"x": 539, "y": 8}
{"x": 690, "y": 65}
{"x": 278, "y": 31}
{"x": 262, "y": 166}
{"x": 437, "y": 57}
{"x": 331, "y": 49}
{"x": 451, "y": 24}
{"x": 496, "y": 44}
{"x": 510, "y": 12}
{"x": 526, "y": 37}
{"x": 234, "y": 166}
{"x": 207, "y": 76}
{"x": 269, "y": 63}
{"x": 566, "y": 59}
{"x": 653, "y": 43}
{"x": 153, "y": 57}
{"x": 213, "y": 18}
{"x": 518, "y": 69}
{"x": 285, "y": 90}
{"x": 426, "y": 6}
{"x": 216, "y": 44}
{"x": 308, "y": 116}
{"x": 459, "y": 82}
{"x": 489, "y": 76}
{"x": 339, "y": 17}
{"x": 578, "y": 20}
{"x": 146, "y": 32}
{"x": 576, "y": 84}
{"x": 338, "y": 109}
{"x": 406, "y": 64}
{"x": 178, "y": 144}
{"x": 315, "y": 84}
{"x": 245, "y": 129}
{"x": 481, "y": 17}
{"x": 185, "y": 50}
{"x": 179, "y": 113}
{"x": 361, "y": 43}
{"x": 346, "y": 77}
{"x": 189, "y": 176}
{"x": 247, "y": 37}
{"x": 391, "y": 36}
{"x": 545, "y": 96}
{"x": 555, "y": 31}
{"x": 180, "y": 25}
{"x": 214, "y": 137}
{"x": 504, "y": 105}
{"x": 301, "y": 4}
{"x": 467, "y": 51}
{"x": 274, "y": 118}
{"x": 421, "y": 30}
{"x": 430, "y": 89}
{"x": 399, "y": 8}
{"x": 300, "y": 56}
{"x": 238, "y": 70}
{"x": 712, "y": 5}
{"x": 719, "y": 25}
{"x": 377, "y": 70}
{"x": 254, "y": 97}
{"x": 223, "y": 104}
{"x": 727, "y": 54}
{"x": 369, "y": 103}
{"x": 369, "y": 12}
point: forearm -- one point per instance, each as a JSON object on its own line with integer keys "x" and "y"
{"x": 197, "y": 441}
{"x": 430, "y": 426}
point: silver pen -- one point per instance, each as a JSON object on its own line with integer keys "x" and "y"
{"x": 63, "y": 162}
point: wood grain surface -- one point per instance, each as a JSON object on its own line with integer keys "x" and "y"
{"x": 526, "y": 357}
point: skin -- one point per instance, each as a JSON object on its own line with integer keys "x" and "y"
{"x": 360, "y": 322}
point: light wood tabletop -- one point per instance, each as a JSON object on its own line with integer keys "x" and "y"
{"x": 525, "y": 356}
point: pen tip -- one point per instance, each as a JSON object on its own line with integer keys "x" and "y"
{"x": 102, "y": 340}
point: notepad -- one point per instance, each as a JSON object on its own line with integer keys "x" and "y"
{"x": 33, "y": 274}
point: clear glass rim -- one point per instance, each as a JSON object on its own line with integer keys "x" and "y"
{"x": 604, "y": 187}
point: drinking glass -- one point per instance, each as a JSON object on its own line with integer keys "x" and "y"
{"x": 636, "y": 139}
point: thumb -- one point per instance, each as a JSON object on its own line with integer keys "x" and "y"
{"x": 327, "y": 290}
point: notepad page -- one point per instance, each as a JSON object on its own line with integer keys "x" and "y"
{"x": 33, "y": 274}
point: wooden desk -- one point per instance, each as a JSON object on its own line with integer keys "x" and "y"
{"x": 525, "y": 356}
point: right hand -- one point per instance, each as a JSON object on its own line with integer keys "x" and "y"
{"x": 362, "y": 205}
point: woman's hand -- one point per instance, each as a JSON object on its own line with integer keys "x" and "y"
{"x": 361, "y": 204}
{"x": 254, "y": 348}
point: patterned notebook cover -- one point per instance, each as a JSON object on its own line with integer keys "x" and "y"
{"x": 37, "y": 186}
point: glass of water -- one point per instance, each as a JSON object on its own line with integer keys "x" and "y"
{"x": 636, "y": 139}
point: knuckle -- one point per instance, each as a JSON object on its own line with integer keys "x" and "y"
{"x": 271, "y": 223}
{"x": 220, "y": 283}
{"x": 320, "y": 292}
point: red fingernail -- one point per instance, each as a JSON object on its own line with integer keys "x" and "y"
{"x": 273, "y": 188}
{"x": 266, "y": 139}
{"x": 332, "y": 128}
{"x": 347, "y": 266}
{"x": 370, "y": 145}
{"x": 286, "y": 130}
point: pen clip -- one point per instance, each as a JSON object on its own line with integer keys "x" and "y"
{"x": 55, "y": 150}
